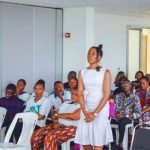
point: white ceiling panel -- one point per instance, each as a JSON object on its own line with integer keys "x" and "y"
{"x": 123, "y": 7}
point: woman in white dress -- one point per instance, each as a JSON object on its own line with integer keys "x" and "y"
{"x": 94, "y": 86}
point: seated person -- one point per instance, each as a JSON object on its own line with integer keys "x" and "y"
{"x": 142, "y": 92}
{"x": 58, "y": 97}
{"x": 148, "y": 76}
{"x": 71, "y": 74}
{"x": 12, "y": 103}
{"x": 144, "y": 96}
{"x": 120, "y": 76}
{"x": 73, "y": 84}
{"x": 62, "y": 129}
{"x": 127, "y": 108}
{"x": 136, "y": 84}
{"x": 39, "y": 104}
{"x": 21, "y": 84}
{"x": 45, "y": 94}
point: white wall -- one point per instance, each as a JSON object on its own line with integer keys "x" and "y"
{"x": 80, "y": 22}
{"x": 134, "y": 52}
{"x": 110, "y": 30}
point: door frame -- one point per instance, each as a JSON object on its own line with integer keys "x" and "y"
{"x": 134, "y": 27}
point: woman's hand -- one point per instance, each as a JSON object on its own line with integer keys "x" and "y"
{"x": 89, "y": 116}
{"x": 119, "y": 116}
{"x": 57, "y": 125}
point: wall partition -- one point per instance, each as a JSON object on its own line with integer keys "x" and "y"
{"x": 31, "y": 45}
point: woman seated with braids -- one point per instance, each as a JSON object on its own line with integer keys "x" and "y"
{"x": 62, "y": 129}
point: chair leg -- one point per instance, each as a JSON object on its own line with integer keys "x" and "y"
{"x": 109, "y": 146}
{"x": 81, "y": 147}
{"x": 2, "y": 134}
{"x": 64, "y": 146}
{"x": 68, "y": 145}
{"x": 117, "y": 136}
{"x": 125, "y": 140}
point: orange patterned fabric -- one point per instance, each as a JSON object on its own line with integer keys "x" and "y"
{"x": 49, "y": 138}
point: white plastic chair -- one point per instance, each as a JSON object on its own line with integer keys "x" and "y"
{"x": 29, "y": 121}
{"x": 125, "y": 139}
{"x": 3, "y": 112}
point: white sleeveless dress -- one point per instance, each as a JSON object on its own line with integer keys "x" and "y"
{"x": 97, "y": 132}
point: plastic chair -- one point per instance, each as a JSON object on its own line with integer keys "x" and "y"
{"x": 3, "y": 112}
{"x": 29, "y": 121}
{"x": 140, "y": 138}
{"x": 125, "y": 139}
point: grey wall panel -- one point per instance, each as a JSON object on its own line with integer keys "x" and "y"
{"x": 31, "y": 45}
{"x": 59, "y": 42}
{"x": 17, "y": 44}
{"x": 44, "y": 49}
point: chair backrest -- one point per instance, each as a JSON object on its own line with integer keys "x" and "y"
{"x": 29, "y": 120}
{"x": 140, "y": 139}
{"x": 3, "y": 112}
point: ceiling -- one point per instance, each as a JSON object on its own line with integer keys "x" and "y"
{"x": 121, "y": 7}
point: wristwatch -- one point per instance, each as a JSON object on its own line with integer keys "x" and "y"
{"x": 127, "y": 116}
{"x": 95, "y": 114}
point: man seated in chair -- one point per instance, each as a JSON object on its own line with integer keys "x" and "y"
{"x": 62, "y": 129}
{"x": 127, "y": 108}
{"x": 12, "y": 103}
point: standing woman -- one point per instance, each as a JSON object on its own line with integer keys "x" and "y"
{"x": 94, "y": 86}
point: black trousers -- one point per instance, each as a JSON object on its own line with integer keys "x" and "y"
{"x": 121, "y": 124}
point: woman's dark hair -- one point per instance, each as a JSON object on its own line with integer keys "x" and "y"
{"x": 99, "y": 50}
{"x": 22, "y": 80}
{"x": 72, "y": 73}
{"x": 122, "y": 79}
{"x": 40, "y": 82}
{"x": 11, "y": 87}
{"x": 139, "y": 72}
{"x": 120, "y": 73}
{"x": 57, "y": 82}
{"x": 145, "y": 78}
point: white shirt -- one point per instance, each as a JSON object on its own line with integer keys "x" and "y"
{"x": 55, "y": 101}
{"x": 24, "y": 96}
{"x": 42, "y": 107}
{"x": 68, "y": 108}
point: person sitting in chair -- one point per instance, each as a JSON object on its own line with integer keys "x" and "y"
{"x": 12, "y": 103}
{"x": 62, "y": 129}
{"x": 127, "y": 108}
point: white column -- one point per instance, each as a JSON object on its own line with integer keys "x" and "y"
{"x": 80, "y": 23}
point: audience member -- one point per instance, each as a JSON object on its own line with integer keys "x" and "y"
{"x": 136, "y": 83}
{"x": 71, "y": 74}
{"x": 127, "y": 108}
{"x": 62, "y": 129}
{"x": 39, "y": 104}
{"x": 12, "y": 103}
{"x": 21, "y": 84}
